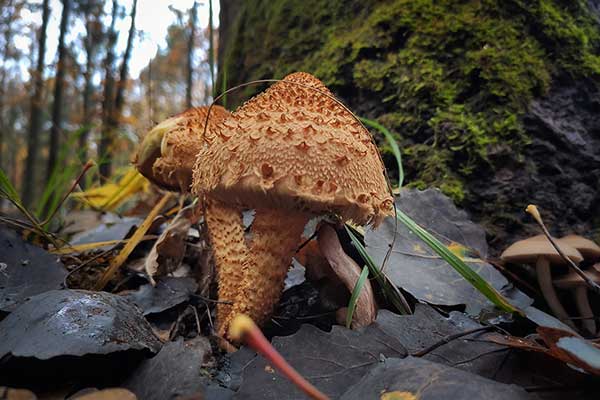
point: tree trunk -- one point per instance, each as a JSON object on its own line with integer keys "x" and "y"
{"x": 495, "y": 119}
{"x": 190, "y": 55}
{"x": 88, "y": 109}
{"x": 5, "y": 54}
{"x": 108, "y": 101}
{"x": 56, "y": 130}
{"x": 124, "y": 72}
{"x": 35, "y": 118}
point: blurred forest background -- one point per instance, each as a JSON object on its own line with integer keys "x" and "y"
{"x": 81, "y": 79}
{"x": 496, "y": 103}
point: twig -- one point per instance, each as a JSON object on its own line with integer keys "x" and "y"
{"x": 86, "y": 167}
{"x": 532, "y": 209}
{"x": 448, "y": 339}
{"x": 199, "y": 330}
{"x": 85, "y": 264}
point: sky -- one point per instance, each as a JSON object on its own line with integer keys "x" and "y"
{"x": 152, "y": 20}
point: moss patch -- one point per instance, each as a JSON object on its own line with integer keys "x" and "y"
{"x": 452, "y": 79}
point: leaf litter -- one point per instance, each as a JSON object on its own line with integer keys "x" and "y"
{"x": 445, "y": 344}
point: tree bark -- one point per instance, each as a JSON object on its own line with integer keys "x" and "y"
{"x": 90, "y": 50}
{"x": 190, "y": 55}
{"x": 124, "y": 72}
{"x": 5, "y": 55}
{"x": 59, "y": 81}
{"x": 36, "y": 111}
{"x": 108, "y": 101}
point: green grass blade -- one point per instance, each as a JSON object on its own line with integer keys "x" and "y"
{"x": 391, "y": 141}
{"x": 360, "y": 283}
{"x": 7, "y": 189}
{"x": 390, "y": 291}
{"x": 459, "y": 265}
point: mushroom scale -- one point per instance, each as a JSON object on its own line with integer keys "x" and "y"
{"x": 290, "y": 153}
{"x": 168, "y": 152}
{"x": 293, "y": 147}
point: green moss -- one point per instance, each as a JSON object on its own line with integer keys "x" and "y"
{"x": 453, "y": 79}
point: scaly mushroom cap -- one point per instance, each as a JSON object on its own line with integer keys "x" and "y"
{"x": 529, "y": 250}
{"x": 293, "y": 147}
{"x": 588, "y": 249}
{"x": 168, "y": 152}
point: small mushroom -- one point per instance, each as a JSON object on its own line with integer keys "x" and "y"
{"x": 544, "y": 256}
{"x": 572, "y": 281}
{"x": 588, "y": 249}
{"x": 290, "y": 153}
{"x": 168, "y": 152}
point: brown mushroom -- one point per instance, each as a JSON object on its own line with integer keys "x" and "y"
{"x": 572, "y": 281}
{"x": 588, "y": 249}
{"x": 543, "y": 255}
{"x": 290, "y": 153}
{"x": 168, "y": 152}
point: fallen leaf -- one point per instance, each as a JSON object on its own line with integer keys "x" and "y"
{"x": 168, "y": 293}
{"x": 416, "y": 268}
{"x": 76, "y": 323}
{"x": 168, "y": 251}
{"x": 107, "y": 394}
{"x": 176, "y": 371}
{"x": 111, "y": 195}
{"x": 426, "y": 380}
{"x": 25, "y": 270}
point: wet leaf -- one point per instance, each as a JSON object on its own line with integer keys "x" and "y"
{"x": 333, "y": 361}
{"x": 25, "y": 270}
{"x": 429, "y": 381}
{"x": 111, "y": 228}
{"x": 177, "y": 370}
{"x": 169, "y": 292}
{"x": 75, "y": 322}
{"x": 572, "y": 349}
{"x": 422, "y": 272}
{"x": 565, "y": 346}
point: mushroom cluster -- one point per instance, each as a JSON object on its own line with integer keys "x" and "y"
{"x": 290, "y": 153}
{"x": 539, "y": 251}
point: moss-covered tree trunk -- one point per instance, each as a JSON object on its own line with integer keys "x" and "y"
{"x": 497, "y": 103}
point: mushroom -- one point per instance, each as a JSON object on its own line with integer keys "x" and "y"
{"x": 572, "y": 281}
{"x": 168, "y": 152}
{"x": 588, "y": 249}
{"x": 543, "y": 255}
{"x": 290, "y": 153}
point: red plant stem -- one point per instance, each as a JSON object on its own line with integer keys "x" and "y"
{"x": 254, "y": 338}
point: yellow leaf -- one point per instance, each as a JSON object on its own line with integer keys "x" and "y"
{"x": 111, "y": 195}
{"x": 132, "y": 243}
{"x": 397, "y": 395}
{"x": 459, "y": 250}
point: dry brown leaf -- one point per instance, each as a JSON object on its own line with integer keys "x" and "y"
{"x": 348, "y": 272}
{"x": 168, "y": 251}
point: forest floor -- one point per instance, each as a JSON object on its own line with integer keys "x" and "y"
{"x": 149, "y": 331}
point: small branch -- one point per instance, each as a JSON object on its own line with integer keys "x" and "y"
{"x": 448, "y": 339}
{"x": 532, "y": 209}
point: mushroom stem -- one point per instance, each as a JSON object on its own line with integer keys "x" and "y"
{"x": 585, "y": 310}
{"x": 348, "y": 272}
{"x": 226, "y": 232}
{"x": 544, "y": 278}
{"x": 252, "y": 276}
